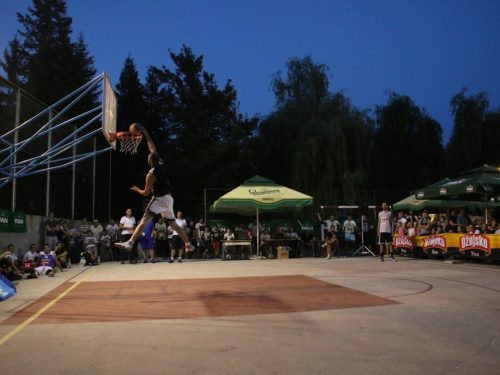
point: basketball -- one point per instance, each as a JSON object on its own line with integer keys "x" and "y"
{"x": 136, "y": 128}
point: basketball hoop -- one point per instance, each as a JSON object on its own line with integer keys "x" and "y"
{"x": 128, "y": 141}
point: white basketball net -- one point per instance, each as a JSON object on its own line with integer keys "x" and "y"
{"x": 129, "y": 142}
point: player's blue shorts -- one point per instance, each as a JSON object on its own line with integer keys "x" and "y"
{"x": 147, "y": 243}
{"x": 350, "y": 237}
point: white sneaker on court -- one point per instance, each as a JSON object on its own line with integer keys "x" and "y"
{"x": 329, "y": 256}
{"x": 127, "y": 246}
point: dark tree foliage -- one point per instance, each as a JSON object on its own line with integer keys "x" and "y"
{"x": 314, "y": 141}
{"x": 43, "y": 60}
{"x": 198, "y": 129}
{"x": 465, "y": 148}
{"x": 490, "y": 145}
{"x": 14, "y": 60}
{"x": 407, "y": 149}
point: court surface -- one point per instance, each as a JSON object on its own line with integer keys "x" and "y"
{"x": 297, "y": 316}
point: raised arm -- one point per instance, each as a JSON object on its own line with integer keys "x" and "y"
{"x": 151, "y": 144}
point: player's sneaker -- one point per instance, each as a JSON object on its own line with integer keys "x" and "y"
{"x": 329, "y": 256}
{"x": 171, "y": 260}
{"x": 393, "y": 259}
{"x": 189, "y": 247}
{"x": 381, "y": 259}
{"x": 127, "y": 245}
{"x": 179, "y": 260}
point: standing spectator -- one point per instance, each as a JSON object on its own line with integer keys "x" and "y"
{"x": 402, "y": 219}
{"x": 329, "y": 223}
{"x": 147, "y": 242}
{"x": 113, "y": 231}
{"x": 349, "y": 228}
{"x": 411, "y": 230}
{"x": 216, "y": 237}
{"x": 424, "y": 225}
{"x": 177, "y": 242}
{"x": 200, "y": 228}
{"x": 385, "y": 231}
{"x": 161, "y": 238}
{"x": 51, "y": 229}
{"x": 127, "y": 225}
{"x": 192, "y": 236}
{"x": 254, "y": 230}
{"x": 463, "y": 220}
{"x": 96, "y": 229}
{"x": 452, "y": 222}
{"x": 83, "y": 228}
{"x": 306, "y": 242}
{"x": 206, "y": 238}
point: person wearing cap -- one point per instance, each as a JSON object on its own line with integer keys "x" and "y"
{"x": 96, "y": 229}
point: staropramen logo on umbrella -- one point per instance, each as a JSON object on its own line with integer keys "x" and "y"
{"x": 265, "y": 194}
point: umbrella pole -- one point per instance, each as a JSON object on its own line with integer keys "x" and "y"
{"x": 258, "y": 235}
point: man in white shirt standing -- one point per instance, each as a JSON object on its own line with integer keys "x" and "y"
{"x": 349, "y": 227}
{"x": 385, "y": 230}
{"x": 177, "y": 242}
{"x": 127, "y": 225}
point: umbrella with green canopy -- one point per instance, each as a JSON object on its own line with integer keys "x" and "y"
{"x": 259, "y": 193}
{"x": 475, "y": 185}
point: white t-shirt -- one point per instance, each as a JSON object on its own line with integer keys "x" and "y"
{"x": 30, "y": 255}
{"x": 161, "y": 230}
{"x": 106, "y": 240}
{"x": 335, "y": 223}
{"x": 229, "y": 237}
{"x": 96, "y": 231}
{"x": 264, "y": 237}
{"x": 128, "y": 222}
{"x": 349, "y": 226}
{"x": 253, "y": 229}
{"x": 112, "y": 231}
{"x": 182, "y": 223}
{"x": 385, "y": 221}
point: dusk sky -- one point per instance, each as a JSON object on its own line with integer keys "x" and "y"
{"x": 426, "y": 49}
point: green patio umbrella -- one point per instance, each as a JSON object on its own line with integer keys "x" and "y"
{"x": 259, "y": 193}
{"x": 477, "y": 185}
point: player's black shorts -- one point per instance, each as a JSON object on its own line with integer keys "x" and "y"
{"x": 385, "y": 238}
{"x": 177, "y": 242}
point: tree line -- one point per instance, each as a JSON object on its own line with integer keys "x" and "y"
{"x": 314, "y": 140}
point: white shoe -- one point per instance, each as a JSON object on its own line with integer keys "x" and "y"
{"x": 329, "y": 256}
{"x": 324, "y": 245}
{"x": 189, "y": 247}
{"x": 127, "y": 246}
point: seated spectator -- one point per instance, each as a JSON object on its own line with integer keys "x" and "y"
{"x": 90, "y": 247}
{"x": 471, "y": 230}
{"x": 228, "y": 236}
{"x": 62, "y": 255}
{"x": 483, "y": 229}
{"x": 332, "y": 243}
{"x": 460, "y": 230}
{"x": 106, "y": 243}
{"x": 265, "y": 245}
{"x": 30, "y": 261}
{"x": 8, "y": 267}
{"x": 439, "y": 230}
{"x": 47, "y": 262}
{"x": 31, "y": 255}
{"x": 492, "y": 227}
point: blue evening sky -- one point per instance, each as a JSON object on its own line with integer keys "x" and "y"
{"x": 426, "y": 49}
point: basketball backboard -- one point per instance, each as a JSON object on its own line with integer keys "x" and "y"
{"x": 108, "y": 111}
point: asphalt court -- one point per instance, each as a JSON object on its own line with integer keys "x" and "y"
{"x": 269, "y": 316}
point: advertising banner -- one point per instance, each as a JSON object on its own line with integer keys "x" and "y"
{"x": 12, "y": 222}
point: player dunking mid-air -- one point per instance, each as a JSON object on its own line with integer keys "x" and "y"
{"x": 161, "y": 203}
{"x": 385, "y": 231}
